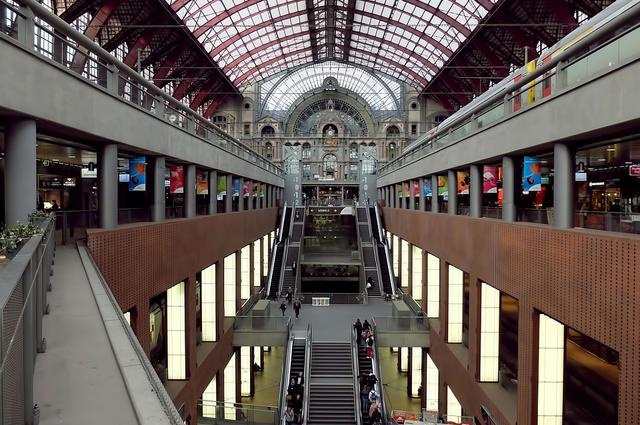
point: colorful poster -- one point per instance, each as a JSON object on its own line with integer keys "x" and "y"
{"x": 443, "y": 187}
{"x": 236, "y": 187}
{"x": 490, "y": 179}
{"x": 202, "y": 183}
{"x": 263, "y": 189}
{"x": 245, "y": 188}
{"x": 137, "y": 174}
{"x": 406, "y": 189}
{"x": 399, "y": 190}
{"x": 427, "y": 188}
{"x": 416, "y": 188}
{"x": 532, "y": 174}
{"x": 255, "y": 189}
{"x": 463, "y": 182}
{"x": 221, "y": 187}
{"x": 176, "y": 179}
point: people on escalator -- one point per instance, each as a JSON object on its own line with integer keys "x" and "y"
{"x": 366, "y": 326}
{"x": 372, "y": 380}
{"x": 363, "y": 380}
{"x": 375, "y": 417}
{"x": 358, "y": 327}
{"x": 289, "y": 416}
{"x": 369, "y": 282}
{"x": 297, "y": 305}
{"x": 373, "y": 396}
{"x": 370, "y": 347}
{"x": 289, "y": 296}
{"x": 300, "y": 379}
{"x": 283, "y": 307}
{"x": 364, "y": 399}
{"x": 294, "y": 266}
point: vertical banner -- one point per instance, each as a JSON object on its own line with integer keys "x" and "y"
{"x": 263, "y": 189}
{"x": 176, "y": 179}
{"x": 443, "y": 187}
{"x": 202, "y": 183}
{"x": 463, "y": 182}
{"x": 236, "y": 187}
{"x": 137, "y": 174}
{"x": 490, "y": 179}
{"x": 245, "y": 188}
{"x": 427, "y": 188}
{"x": 406, "y": 189}
{"x": 221, "y": 187}
{"x": 255, "y": 189}
{"x": 416, "y": 188}
{"x": 399, "y": 189}
{"x": 532, "y": 174}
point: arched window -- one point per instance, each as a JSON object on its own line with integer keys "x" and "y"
{"x": 268, "y": 132}
{"x": 393, "y": 131}
{"x": 372, "y": 145}
{"x": 330, "y": 163}
{"x": 330, "y": 130}
{"x": 268, "y": 150}
{"x": 306, "y": 151}
{"x": 353, "y": 151}
{"x": 392, "y": 151}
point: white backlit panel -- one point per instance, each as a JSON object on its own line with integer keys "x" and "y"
{"x": 230, "y": 285}
{"x": 404, "y": 267}
{"x": 416, "y": 370}
{"x": 245, "y": 272}
{"x": 406, "y": 39}
{"x": 454, "y": 408}
{"x": 256, "y": 263}
{"x": 416, "y": 278}
{"x": 433, "y": 286}
{"x": 396, "y": 255}
{"x": 489, "y": 333}
{"x": 230, "y": 389}
{"x": 176, "y": 340}
{"x": 245, "y": 371}
{"x": 208, "y": 288}
{"x": 433, "y": 376}
{"x": 265, "y": 255}
{"x": 550, "y": 371}
{"x": 209, "y": 398}
{"x": 454, "y": 312}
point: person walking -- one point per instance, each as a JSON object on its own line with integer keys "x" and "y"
{"x": 366, "y": 326}
{"x": 283, "y": 308}
{"x": 358, "y": 327}
{"x": 297, "y": 305}
{"x": 289, "y": 296}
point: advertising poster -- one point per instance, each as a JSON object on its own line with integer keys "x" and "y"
{"x": 416, "y": 188}
{"x": 463, "y": 182}
{"x": 176, "y": 179}
{"x": 245, "y": 189}
{"x": 137, "y": 174}
{"x": 490, "y": 179}
{"x": 202, "y": 183}
{"x": 263, "y": 189}
{"x": 443, "y": 189}
{"x": 255, "y": 189}
{"x": 427, "y": 188}
{"x": 399, "y": 190}
{"x": 221, "y": 187}
{"x": 532, "y": 174}
{"x": 406, "y": 189}
{"x": 236, "y": 187}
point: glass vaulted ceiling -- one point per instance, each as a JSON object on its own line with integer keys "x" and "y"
{"x": 380, "y": 92}
{"x": 406, "y": 39}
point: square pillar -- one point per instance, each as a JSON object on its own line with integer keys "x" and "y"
{"x": 228, "y": 201}
{"x": 108, "y": 186}
{"x": 213, "y": 192}
{"x": 20, "y": 183}
{"x": 452, "y": 190}
{"x": 563, "y": 186}
{"x": 434, "y": 194}
{"x": 475, "y": 190}
{"x": 158, "y": 203}
{"x": 508, "y": 189}
{"x": 190, "y": 191}
{"x": 249, "y": 199}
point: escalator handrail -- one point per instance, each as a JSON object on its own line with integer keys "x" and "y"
{"x": 285, "y": 377}
{"x": 376, "y": 209}
{"x": 285, "y": 254}
{"x": 356, "y": 376}
{"x": 274, "y": 254}
{"x": 375, "y": 367}
{"x": 306, "y": 375}
{"x": 282, "y": 220}
{"x": 383, "y": 240}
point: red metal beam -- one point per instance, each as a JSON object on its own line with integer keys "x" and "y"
{"x": 493, "y": 59}
{"x": 313, "y": 32}
{"x": 159, "y": 79}
{"x": 92, "y": 31}
{"x": 206, "y": 91}
{"x": 444, "y": 102}
{"x": 187, "y": 81}
{"x": 563, "y": 13}
{"x": 348, "y": 30}
{"x": 141, "y": 42}
{"x": 214, "y": 105}
{"x": 454, "y": 87}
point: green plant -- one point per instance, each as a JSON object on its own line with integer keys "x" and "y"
{"x": 39, "y": 214}
{"x": 12, "y": 237}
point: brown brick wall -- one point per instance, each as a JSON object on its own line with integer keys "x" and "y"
{"x": 588, "y": 280}
{"x": 142, "y": 260}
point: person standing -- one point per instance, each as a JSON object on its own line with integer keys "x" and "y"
{"x": 283, "y": 308}
{"x": 297, "y": 305}
{"x": 366, "y": 326}
{"x": 358, "y": 327}
{"x": 289, "y": 296}
{"x": 370, "y": 347}
{"x": 294, "y": 266}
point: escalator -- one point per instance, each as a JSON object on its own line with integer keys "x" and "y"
{"x": 274, "y": 276}
{"x": 275, "y": 271}
{"x": 384, "y": 256}
{"x": 297, "y": 362}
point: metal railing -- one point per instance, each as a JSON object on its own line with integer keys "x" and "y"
{"x": 227, "y": 413}
{"x": 250, "y": 302}
{"x": 307, "y": 374}
{"x": 377, "y": 371}
{"x": 40, "y": 31}
{"x": 401, "y": 324}
{"x": 262, "y": 323}
{"x": 567, "y": 68}
{"x": 25, "y": 280}
{"x": 354, "y": 369}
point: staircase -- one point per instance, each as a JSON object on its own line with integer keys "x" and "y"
{"x": 331, "y": 397}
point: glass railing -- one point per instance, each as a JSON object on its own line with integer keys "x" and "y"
{"x": 57, "y": 41}
{"x": 261, "y": 324}
{"x": 224, "y": 413}
{"x": 575, "y": 65}
{"x": 401, "y": 324}
{"x": 608, "y": 221}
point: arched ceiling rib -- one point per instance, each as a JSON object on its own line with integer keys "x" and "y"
{"x": 406, "y": 39}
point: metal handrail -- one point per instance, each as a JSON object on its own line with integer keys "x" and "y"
{"x": 282, "y": 221}
{"x": 67, "y": 30}
{"x": 307, "y": 374}
{"x": 283, "y": 270}
{"x": 356, "y": 381}
{"x": 383, "y": 240}
{"x": 597, "y": 35}
{"x": 376, "y": 256}
{"x": 377, "y": 371}
{"x": 250, "y": 302}
{"x": 285, "y": 377}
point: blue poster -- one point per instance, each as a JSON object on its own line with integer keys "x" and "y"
{"x": 427, "y": 187}
{"x": 137, "y": 173}
{"x": 236, "y": 187}
{"x": 532, "y": 174}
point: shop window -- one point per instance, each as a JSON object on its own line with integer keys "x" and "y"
{"x": 230, "y": 285}
{"x": 208, "y": 297}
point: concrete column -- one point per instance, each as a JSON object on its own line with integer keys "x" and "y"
{"x": 213, "y": 192}
{"x": 508, "y": 189}
{"x": 261, "y": 198}
{"x": 20, "y": 184}
{"x": 422, "y": 200}
{"x": 228, "y": 202}
{"x": 249, "y": 199}
{"x": 158, "y": 202}
{"x": 190, "y": 190}
{"x": 241, "y": 199}
{"x": 434, "y": 194}
{"x": 452, "y": 189}
{"x": 475, "y": 190}
{"x": 108, "y": 186}
{"x": 563, "y": 186}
